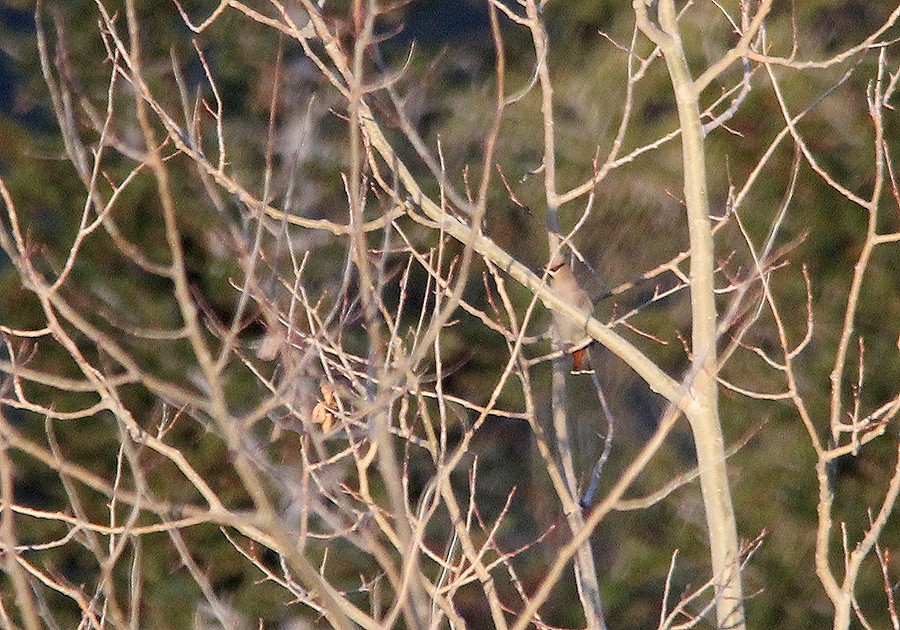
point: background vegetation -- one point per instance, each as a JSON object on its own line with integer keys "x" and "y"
{"x": 285, "y": 310}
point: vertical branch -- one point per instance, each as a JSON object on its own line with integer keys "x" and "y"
{"x": 364, "y": 13}
{"x": 539, "y": 38}
{"x": 21, "y": 587}
{"x": 703, "y": 417}
{"x": 585, "y": 570}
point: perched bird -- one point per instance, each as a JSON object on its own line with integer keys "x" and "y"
{"x": 567, "y": 330}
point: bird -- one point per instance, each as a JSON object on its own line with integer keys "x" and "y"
{"x": 566, "y": 330}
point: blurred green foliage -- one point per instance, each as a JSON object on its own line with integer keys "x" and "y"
{"x": 636, "y": 224}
